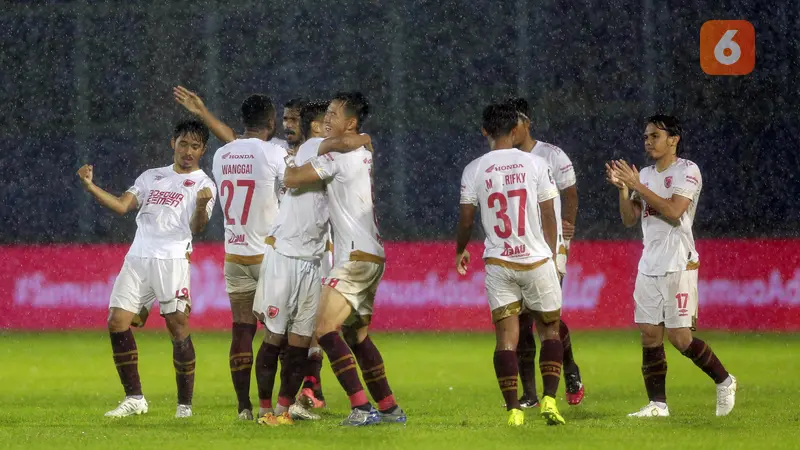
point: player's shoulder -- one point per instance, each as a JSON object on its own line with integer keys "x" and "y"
{"x": 279, "y": 142}
{"x": 686, "y": 164}
{"x": 157, "y": 173}
{"x": 547, "y": 148}
{"x": 309, "y": 149}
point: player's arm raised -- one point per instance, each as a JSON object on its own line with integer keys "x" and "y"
{"x": 345, "y": 143}
{"x": 670, "y": 208}
{"x": 120, "y": 205}
{"x": 200, "y": 215}
{"x": 629, "y": 210}
{"x": 318, "y": 168}
{"x": 194, "y": 104}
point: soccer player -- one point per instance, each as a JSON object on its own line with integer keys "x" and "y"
{"x": 513, "y": 188}
{"x": 665, "y": 196}
{"x": 194, "y": 104}
{"x": 248, "y": 171}
{"x": 291, "y": 124}
{"x": 349, "y": 292}
{"x": 174, "y": 203}
{"x": 566, "y": 206}
{"x": 287, "y": 297}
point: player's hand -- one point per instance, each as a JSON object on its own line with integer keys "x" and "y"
{"x": 203, "y": 197}
{"x": 567, "y": 229}
{"x": 86, "y": 173}
{"x": 462, "y": 261}
{"x": 613, "y": 178}
{"x": 189, "y": 100}
{"x": 626, "y": 174}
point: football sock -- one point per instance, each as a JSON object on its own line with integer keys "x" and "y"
{"x": 704, "y": 358}
{"x": 505, "y": 367}
{"x": 126, "y": 358}
{"x": 241, "y": 361}
{"x": 372, "y": 369}
{"x": 566, "y": 343}
{"x": 654, "y": 371}
{"x": 292, "y": 374}
{"x": 343, "y": 364}
{"x": 313, "y": 379}
{"x": 183, "y": 358}
{"x": 526, "y": 360}
{"x": 550, "y": 361}
{"x": 266, "y": 369}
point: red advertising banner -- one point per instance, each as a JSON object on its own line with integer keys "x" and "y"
{"x": 744, "y": 285}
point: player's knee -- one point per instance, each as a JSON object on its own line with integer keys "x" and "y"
{"x": 116, "y": 322}
{"x": 680, "y": 338}
{"x": 350, "y": 335}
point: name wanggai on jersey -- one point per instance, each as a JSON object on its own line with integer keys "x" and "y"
{"x": 507, "y": 186}
{"x": 250, "y": 177}
{"x": 669, "y": 246}
{"x": 166, "y": 201}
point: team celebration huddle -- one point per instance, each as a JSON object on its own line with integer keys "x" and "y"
{"x": 304, "y": 257}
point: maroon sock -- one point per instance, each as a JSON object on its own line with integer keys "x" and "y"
{"x": 505, "y": 367}
{"x": 526, "y": 358}
{"x": 372, "y": 369}
{"x": 704, "y": 358}
{"x": 654, "y": 371}
{"x": 312, "y": 380}
{"x": 183, "y": 358}
{"x": 292, "y": 371}
{"x": 566, "y": 343}
{"x": 344, "y": 368}
{"x": 126, "y": 358}
{"x": 266, "y": 369}
{"x": 241, "y": 362}
{"x": 550, "y": 360}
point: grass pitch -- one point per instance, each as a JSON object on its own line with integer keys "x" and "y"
{"x": 55, "y": 387}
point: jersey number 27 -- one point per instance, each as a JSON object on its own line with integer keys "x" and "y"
{"x": 227, "y": 190}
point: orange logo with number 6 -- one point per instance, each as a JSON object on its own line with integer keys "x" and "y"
{"x": 727, "y": 47}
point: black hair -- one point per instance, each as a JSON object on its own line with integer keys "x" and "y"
{"x": 191, "y": 127}
{"x": 670, "y": 124}
{"x": 295, "y": 103}
{"x": 311, "y": 111}
{"x": 499, "y": 119}
{"x": 258, "y": 112}
{"x": 355, "y": 105}
{"x": 521, "y": 105}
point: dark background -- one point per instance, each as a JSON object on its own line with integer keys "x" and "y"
{"x": 90, "y": 82}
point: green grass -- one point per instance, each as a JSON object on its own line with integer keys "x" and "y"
{"x": 54, "y": 389}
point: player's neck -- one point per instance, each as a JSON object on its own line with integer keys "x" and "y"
{"x": 503, "y": 143}
{"x": 178, "y": 169}
{"x": 256, "y": 134}
{"x": 663, "y": 163}
{"x": 528, "y": 144}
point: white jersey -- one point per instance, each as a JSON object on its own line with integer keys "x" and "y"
{"x": 249, "y": 173}
{"x": 166, "y": 200}
{"x": 563, "y": 175}
{"x": 669, "y": 247}
{"x": 279, "y": 142}
{"x": 507, "y": 186}
{"x": 301, "y": 229}
{"x": 350, "y": 203}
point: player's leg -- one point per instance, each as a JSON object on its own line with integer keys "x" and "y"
{"x": 311, "y": 395}
{"x": 240, "y": 282}
{"x": 503, "y": 293}
{"x": 270, "y": 305}
{"x": 541, "y": 292}
{"x": 572, "y": 375}
{"x": 333, "y": 311}
{"x": 680, "y": 318}
{"x": 126, "y": 300}
{"x": 649, "y": 317}
{"x": 526, "y": 359}
{"x": 170, "y": 281}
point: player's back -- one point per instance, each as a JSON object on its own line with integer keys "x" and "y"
{"x": 669, "y": 246}
{"x": 249, "y": 174}
{"x": 351, "y": 206}
{"x": 507, "y": 185}
{"x": 301, "y": 228}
